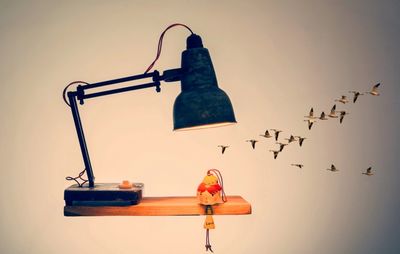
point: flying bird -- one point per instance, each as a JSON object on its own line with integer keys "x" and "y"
{"x": 281, "y": 146}
{"x": 276, "y": 133}
{"x": 368, "y": 172}
{"x": 333, "y": 112}
{"x": 374, "y": 90}
{"x": 310, "y": 123}
{"x": 311, "y": 114}
{"x": 275, "y": 153}
{"x": 356, "y": 94}
{"x": 342, "y": 114}
{"x": 253, "y": 142}
{"x": 223, "y": 148}
{"x": 343, "y": 99}
{"x": 298, "y": 165}
{"x": 301, "y": 140}
{"x": 323, "y": 117}
{"x": 266, "y": 134}
{"x": 291, "y": 139}
{"x": 332, "y": 168}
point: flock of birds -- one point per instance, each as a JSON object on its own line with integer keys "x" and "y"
{"x": 333, "y": 114}
{"x": 311, "y": 119}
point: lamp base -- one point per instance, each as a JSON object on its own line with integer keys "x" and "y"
{"x": 103, "y": 194}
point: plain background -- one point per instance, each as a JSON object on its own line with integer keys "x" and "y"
{"x": 275, "y": 59}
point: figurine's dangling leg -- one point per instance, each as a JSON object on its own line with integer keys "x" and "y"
{"x": 209, "y": 224}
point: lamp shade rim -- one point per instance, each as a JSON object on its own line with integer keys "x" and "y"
{"x": 205, "y": 126}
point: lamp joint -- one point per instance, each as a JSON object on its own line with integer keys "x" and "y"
{"x": 156, "y": 79}
{"x": 80, "y": 94}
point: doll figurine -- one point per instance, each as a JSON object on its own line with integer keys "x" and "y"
{"x": 210, "y": 193}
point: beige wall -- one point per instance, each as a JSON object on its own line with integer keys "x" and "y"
{"x": 275, "y": 60}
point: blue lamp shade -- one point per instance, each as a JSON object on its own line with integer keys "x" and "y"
{"x": 201, "y": 103}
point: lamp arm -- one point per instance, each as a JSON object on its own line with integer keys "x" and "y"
{"x": 168, "y": 76}
{"x": 81, "y": 136}
{"x": 79, "y": 95}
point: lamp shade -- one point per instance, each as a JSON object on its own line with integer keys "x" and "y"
{"x": 201, "y": 103}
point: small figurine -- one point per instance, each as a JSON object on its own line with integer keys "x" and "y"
{"x": 210, "y": 193}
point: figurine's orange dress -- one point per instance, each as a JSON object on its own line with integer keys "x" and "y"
{"x": 209, "y": 194}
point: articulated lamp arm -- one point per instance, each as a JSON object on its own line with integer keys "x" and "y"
{"x": 80, "y": 95}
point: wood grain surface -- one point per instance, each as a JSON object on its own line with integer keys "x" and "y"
{"x": 163, "y": 206}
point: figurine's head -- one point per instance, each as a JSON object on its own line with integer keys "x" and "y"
{"x": 210, "y": 179}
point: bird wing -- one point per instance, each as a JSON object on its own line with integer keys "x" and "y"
{"x": 266, "y": 133}
{"x": 310, "y": 124}
{"x": 377, "y": 85}
{"x": 322, "y": 114}
{"x": 301, "y": 141}
{"x": 369, "y": 170}
{"x": 311, "y": 112}
{"x": 333, "y": 110}
{"x": 355, "y": 97}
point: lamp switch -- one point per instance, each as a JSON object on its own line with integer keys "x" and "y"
{"x": 125, "y": 185}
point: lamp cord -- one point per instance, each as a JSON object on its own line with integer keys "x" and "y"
{"x": 66, "y": 88}
{"x": 160, "y": 42}
{"x": 70, "y": 178}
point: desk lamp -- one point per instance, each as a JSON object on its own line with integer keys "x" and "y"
{"x": 201, "y": 104}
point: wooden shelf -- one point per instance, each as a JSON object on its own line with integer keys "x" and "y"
{"x": 162, "y": 206}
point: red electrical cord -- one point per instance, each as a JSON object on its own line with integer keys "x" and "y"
{"x": 70, "y": 84}
{"x": 160, "y": 41}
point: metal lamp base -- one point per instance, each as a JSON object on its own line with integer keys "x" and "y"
{"x": 103, "y": 194}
